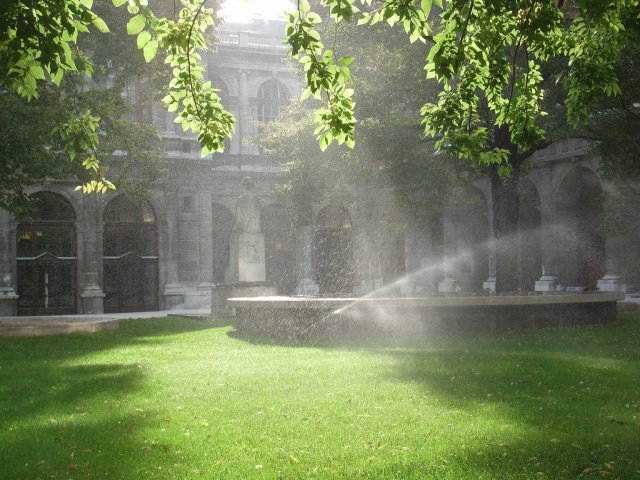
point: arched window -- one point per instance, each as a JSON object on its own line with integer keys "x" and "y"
{"x": 130, "y": 249}
{"x": 46, "y": 257}
{"x": 272, "y": 97}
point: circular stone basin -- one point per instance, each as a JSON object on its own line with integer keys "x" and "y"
{"x": 408, "y": 316}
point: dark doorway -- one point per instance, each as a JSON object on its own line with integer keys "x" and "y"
{"x": 529, "y": 221}
{"x": 334, "y": 258}
{"x": 580, "y": 243}
{"x": 46, "y": 258}
{"x": 279, "y": 243}
{"x": 470, "y": 218}
{"x": 130, "y": 258}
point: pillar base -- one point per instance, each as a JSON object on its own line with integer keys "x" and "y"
{"x": 611, "y": 283}
{"x": 173, "y": 296}
{"x": 547, "y": 283}
{"x": 448, "y": 285}
{"x": 307, "y": 287}
{"x": 8, "y": 302}
{"x": 92, "y": 299}
{"x": 489, "y": 284}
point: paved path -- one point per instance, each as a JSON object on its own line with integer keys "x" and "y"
{"x": 63, "y": 324}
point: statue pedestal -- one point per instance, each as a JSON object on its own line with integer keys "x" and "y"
{"x": 547, "y": 283}
{"x": 611, "y": 283}
{"x": 247, "y": 258}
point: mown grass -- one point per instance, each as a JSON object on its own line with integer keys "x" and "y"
{"x": 179, "y": 398}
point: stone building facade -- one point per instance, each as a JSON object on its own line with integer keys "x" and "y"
{"x": 94, "y": 254}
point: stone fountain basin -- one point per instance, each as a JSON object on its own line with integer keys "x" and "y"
{"x": 407, "y": 316}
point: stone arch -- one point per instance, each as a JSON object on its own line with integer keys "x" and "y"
{"x": 334, "y": 255}
{"x": 529, "y": 235}
{"x": 47, "y": 257}
{"x": 468, "y": 230}
{"x": 579, "y": 210}
{"x": 223, "y": 221}
{"x": 130, "y": 255}
{"x": 279, "y": 239}
{"x": 219, "y": 83}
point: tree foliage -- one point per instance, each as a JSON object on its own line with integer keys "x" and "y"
{"x": 390, "y": 158}
{"x": 49, "y": 45}
{"x": 484, "y": 53}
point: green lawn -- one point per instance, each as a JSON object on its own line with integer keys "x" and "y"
{"x": 180, "y": 398}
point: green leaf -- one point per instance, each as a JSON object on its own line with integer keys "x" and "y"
{"x": 143, "y": 38}
{"x": 36, "y": 72}
{"x": 119, "y": 3}
{"x": 346, "y": 61}
{"x": 149, "y": 51}
{"x": 100, "y": 25}
{"x": 426, "y": 7}
{"x": 136, "y": 24}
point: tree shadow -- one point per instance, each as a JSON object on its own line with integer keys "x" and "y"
{"x": 555, "y": 388}
{"x": 45, "y": 399}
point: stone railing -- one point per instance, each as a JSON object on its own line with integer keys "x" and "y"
{"x": 250, "y": 40}
{"x": 247, "y": 163}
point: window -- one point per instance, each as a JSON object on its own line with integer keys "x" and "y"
{"x": 272, "y": 97}
{"x": 46, "y": 251}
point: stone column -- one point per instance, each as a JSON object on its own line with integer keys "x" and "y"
{"x": 244, "y": 121}
{"x": 173, "y": 293}
{"x": 305, "y": 261}
{"x": 8, "y": 296}
{"x": 548, "y": 245}
{"x": 612, "y": 280}
{"x": 490, "y": 283}
{"x": 91, "y": 294}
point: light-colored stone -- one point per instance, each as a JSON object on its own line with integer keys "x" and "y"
{"x": 547, "y": 283}
{"x": 448, "y": 285}
{"x": 611, "y": 283}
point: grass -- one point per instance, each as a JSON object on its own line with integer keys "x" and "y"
{"x": 179, "y": 398}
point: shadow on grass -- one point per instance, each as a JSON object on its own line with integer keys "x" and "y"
{"x": 45, "y": 398}
{"x": 574, "y": 395}
{"x": 569, "y": 400}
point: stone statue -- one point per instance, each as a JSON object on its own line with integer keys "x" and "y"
{"x": 247, "y": 209}
{"x": 247, "y": 242}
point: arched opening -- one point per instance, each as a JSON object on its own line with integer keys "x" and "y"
{"x": 529, "y": 222}
{"x": 334, "y": 257}
{"x": 470, "y": 224}
{"x": 223, "y": 221}
{"x": 279, "y": 241}
{"x": 580, "y": 245}
{"x": 130, "y": 256}
{"x": 47, "y": 259}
